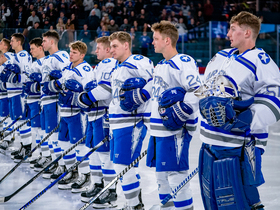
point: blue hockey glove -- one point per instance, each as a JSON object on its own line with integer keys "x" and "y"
{"x": 226, "y": 113}
{"x": 73, "y": 85}
{"x": 84, "y": 102}
{"x": 31, "y": 87}
{"x": 66, "y": 98}
{"x": 46, "y": 89}
{"x": 5, "y": 74}
{"x": 3, "y": 87}
{"x": 55, "y": 74}
{"x": 36, "y": 77}
{"x": 13, "y": 68}
{"x": 90, "y": 85}
{"x": 172, "y": 110}
{"x": 131, "y": 94}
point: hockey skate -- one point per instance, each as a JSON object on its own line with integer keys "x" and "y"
{"x": 82, "y": 184}
{"x": 42, "y": 163}
{"x": 68, "y": 180}
{"x": 16, "y": 152}
{"x": 139, "y": 206}
{"x": 106, "y": 200}
{"x": 33, "y": 162}
{"x": 57, "y": 173}
{"x": 4, "y": 147}
{"x": 47, "y": 174}
{"x": 93, "y": 190}
{"x": 24, "y": 151}
{"x": 257, "y": 206}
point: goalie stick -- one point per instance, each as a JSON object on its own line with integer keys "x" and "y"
{"x": 37, "y": 146}
{"x": 4, "y": 119}
{"x": 22, "y": 124}
{"x": 66, "y": 172}
{"x": 176, "y": 190}
{"x": 114, "y": 180}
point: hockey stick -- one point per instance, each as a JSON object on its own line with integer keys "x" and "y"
{"x": 3, "y": 131}
{"x": 114, "y": 180}
{"x": 4, "y": 119}
{"x": 66, "y": 172}
{"x": 176, "y": 190}
{"x": 22, "y": 124}
{"x": 5, "y": 199}
{"x": 26, "y": 156}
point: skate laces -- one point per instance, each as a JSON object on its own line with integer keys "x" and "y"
{"x": 59, "y": 170}
{"x": 43, "y": 160}
{"x": 82, "y": 179}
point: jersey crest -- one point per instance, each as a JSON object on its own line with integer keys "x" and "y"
{"x": 264, "y": 57}
{"x": 86, "y": 68}
{"x": 22, "y": 54}
{"x": 65, "y": 56}
{"x": 107, "y": 60}
{"x": 185, "y": 58}
{"x": 138, "y": 57}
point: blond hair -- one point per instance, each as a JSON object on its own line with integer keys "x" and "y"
{"x": 122, "y": 37}
{"x": 104, "y": 40}
{"x": 248, "y": 19}
{"x": 80, "y": 46}
{"x": 167, "y": 29}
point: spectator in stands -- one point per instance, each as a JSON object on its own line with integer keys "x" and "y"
{"x": 182, "y": 26}
{"x": 173, "y": 17}
{"x": 138, "y": 6}
{"x": 156, "y": 8}
{"x": 46, "y": 22}
{"x": 76, "y": 7}
{"x": 219, "y": 44}
{"x": 35, "y": 31}
{"x": 199, "y": 7}
{"x": 125, "y": 26}
{"x": 20, "y": 18}
{"x": 88, "y": 6}
{"x": 112, "y": 27}
{"x": 168, "y": 7}
{"x": 225, "y": 9}
{"x": 109, "y": 4}
{"x": 191, "y": 31}
{"x": 185, "y": 8}
{"x": 97, "y": 11}
{"x": 124, "y": 14}
{"x": 62, "y": 16}
{"x": 30, "y": 9}
{"x": 70, "y": 28}
{"x": 265, "y": 8}
{"x": 163, "y": 15}
{"x": 192, "y": 9}
{"x": 52, "y": 14}
{"x": 146, "y": 28}
{"x": 131, "y": 18}
{"x": 145, "y": 42}
{"x": 118, "y": 11}
{"x": 208, "y": 10}
{"x": 176, "y": 7}
{"x": 136, "y": 27}
{"x": 106, "y": 19}
{"x": 189, "y": 17}
{"x": 60, "y": 25}
{"x": 63, "y": 7}
{"x": 38, "y": 3}
{"x": 85, "y": 36}
{"x": 132, "y": 32}
{"x": 199, "y": 18}
{"x": 74, "y": 21}
{"x": 129, "y": 7}
{"x": 104, "y": 31}
{"x": 142, "y": 18}
{"x": 135, "y": 45}
{"x": 5, "y": 15}
{"x": 34, "y": 18}
{"x": 93, "y": 21}
{"x": 40, "y": 13}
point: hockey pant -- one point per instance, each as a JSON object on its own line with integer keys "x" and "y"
{"x": 4, "y": 111}
{"x": 223, "y": 178}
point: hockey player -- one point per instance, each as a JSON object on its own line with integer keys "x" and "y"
{"x": 98, "y": 126}
{"x": 14, "y": 75}
{"x": 51, "y": 70}
{"x": 33, "y": 90}
{"x": 77, "y": 73}
{"x": 173, "y": 116}
{"x": 235, "y": 135}
{"x": 6, "y": 58}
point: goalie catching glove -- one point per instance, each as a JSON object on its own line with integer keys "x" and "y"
{"x": 227, "y": 113}
{"x": 172, "y": 110}
{"x": 132, "y": 95}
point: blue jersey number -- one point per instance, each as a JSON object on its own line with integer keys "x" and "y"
{"x": 273, "y": 91}
{"x": 155, "y": 93}
{"x": 116, "y": 94}
{"x": 105, "y": 75}
{"x": 192, "y": 81}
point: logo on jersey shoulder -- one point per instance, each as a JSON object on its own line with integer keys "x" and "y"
{"x": 65, "y": 56}
{"x": 86, "y": 68}
{"x": 138, "y": 57}
{"x": 22, "y": 54}
{"x": 107, "y": 60}
{"x": 185, "y": 58}
{"x": 264, "y": 57}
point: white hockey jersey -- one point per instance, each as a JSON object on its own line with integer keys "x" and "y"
{"x": 10, "y": 57}
{"x": 57, "y": 61}
{"x": 133, "y": 66}
{"x": 82, "y": 73}
{"x": 24, "y": 61}
{"x": 179, "y": 71}
{"x": 102, "y": 93}
{"x": 258, "y": 76}
{"x": 36, "y": 67}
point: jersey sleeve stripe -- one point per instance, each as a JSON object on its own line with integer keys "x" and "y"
{"x": 248, "y": 64}
{"x": 271, "y": 102}
{"x": 76, "y": 71}
{"x": 128, "y": 65}
{"x": 57, "y": 57}
{"x": 105, "y": 87}
{"x": 223, "y": 53}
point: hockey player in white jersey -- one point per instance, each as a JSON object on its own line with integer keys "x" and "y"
{"x": 241, "y": 100}
{"x": 74, "y": 76}
{"x": 32, "y": 89}
{"x": 128, "y": 112}
{"x": 15, "y": 76}
{"x": 99, "y": 91}
{"x": 6, "y": 58}
{"x": 173, "y": 115}
{"x": 51, "y": 70}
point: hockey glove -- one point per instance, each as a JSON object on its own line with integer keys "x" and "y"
{"x": 46, "y": 89}
{"x": 55, "y": 74}
{"x": 31, "y": 87}
{"x": 36, "y": 77}
{"x": 66, "y": 98}
{"x": 3, "y": 87}
{"x": 226, "y": 113}
{"x": 172, "y": 110}
{"x": 132, "y": 95}
{"x": 73, "y": 85}
{"x": 84, "y": 102}
{"x": 13, "y": 68}
{"x": 90, "y": 85}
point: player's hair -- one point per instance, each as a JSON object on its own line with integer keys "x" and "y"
{"x": 248, "y": 19}
{"x": 37, "y": 42}
{"x": 80, "y": 46}
{"x": 52, "y": 34}
{"x": 167, "y": 29}
{"x": 19, "y": 37}
{"x": 122, "y": 37}
{"x": 104, "y": 40}
{"x": 7, "y": 43}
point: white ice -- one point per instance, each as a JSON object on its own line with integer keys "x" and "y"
{"x": 55, "y": 199}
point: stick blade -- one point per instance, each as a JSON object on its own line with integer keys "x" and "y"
{"x": 4, "y": 199}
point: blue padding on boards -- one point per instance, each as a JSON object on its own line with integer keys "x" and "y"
{"x": 228, "y": 185}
